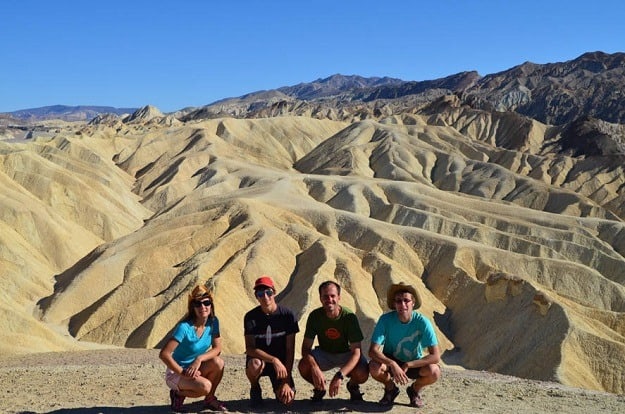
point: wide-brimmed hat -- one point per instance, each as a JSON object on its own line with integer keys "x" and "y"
{"x": 399, "y": 288}
{"x": 264, "y": 281}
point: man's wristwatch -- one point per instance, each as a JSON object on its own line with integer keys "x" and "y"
{"x": 339, "y": 375}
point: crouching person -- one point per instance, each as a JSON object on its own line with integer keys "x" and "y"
{"x": 339, "y": 335}
{"x": 397, "y": 345}
{"x": 194, "y": 367}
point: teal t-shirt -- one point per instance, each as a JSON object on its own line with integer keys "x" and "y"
{"x": 334, "y": 335}
{"x": 404, "y": 341}
{"x": 189, "y": 345}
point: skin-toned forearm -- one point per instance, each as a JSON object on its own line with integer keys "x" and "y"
{"x": 375, "y": 353}
{"x": 166, "y": 356}
{"x": 433, "y": 357}
{"x": 307, "y": 344}
{"x": 353, "y": 359}
{"x": 260, "y": 354}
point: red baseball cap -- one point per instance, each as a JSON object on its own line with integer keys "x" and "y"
{"x": 264, "y": 281}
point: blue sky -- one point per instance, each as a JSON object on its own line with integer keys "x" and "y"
{"x": 175, "y": 54}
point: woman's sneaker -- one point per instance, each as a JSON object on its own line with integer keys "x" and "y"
{"x": 176, "y": 401}
{"x": 214, "y": 404}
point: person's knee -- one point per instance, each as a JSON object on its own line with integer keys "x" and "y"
{"x": 435, "y": 372}
{"x": 360, "y": 373}
{"x": 304, "y": 368}
{"x": 431, "y": 373}
{"x": 214, "y": 364}
{"x": 219, "y": 363}
{"x": 376, "y": 370}
{"x": 207, "y": 387}
{"x": 254, "y": 367}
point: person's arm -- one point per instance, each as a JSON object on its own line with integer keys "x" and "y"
{"x": 337, "y": 379}
{"x": 356, "y": 351}
{"x": 166, "y": 355}
{"x": 318, "y": 378}
{"x": 193, "y": 370}
{"x": 433, "y": 357}
{"x": 285, "y": 393}
{"x": 307, "y": 344}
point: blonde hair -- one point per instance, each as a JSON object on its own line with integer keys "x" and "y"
{"x": 199, "y": 292}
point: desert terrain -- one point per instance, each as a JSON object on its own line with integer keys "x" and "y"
{"x": 131, "y": 381}
{"x": 515, "y": 241}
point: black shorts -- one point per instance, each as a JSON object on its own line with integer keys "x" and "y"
{"x": 412, "y": 373}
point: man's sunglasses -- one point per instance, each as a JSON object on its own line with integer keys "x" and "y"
{"x": 262, "y": 292}
{"x": 198, "y": 303}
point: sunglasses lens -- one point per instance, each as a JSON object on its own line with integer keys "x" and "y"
{"x": 198, "y": 303}
{"x": 261, "y": 293}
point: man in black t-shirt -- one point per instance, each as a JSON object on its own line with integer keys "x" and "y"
{"x": 270, "y": 344}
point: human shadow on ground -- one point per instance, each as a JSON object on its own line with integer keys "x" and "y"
{"x": 333, "y": 405}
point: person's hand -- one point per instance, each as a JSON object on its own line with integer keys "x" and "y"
{"x": 399, "y": 374}
{"x": 285, "y": 394}
{"x": 319, "y": 380}
{"x": 280, "y": 369}
{"x": 335, "y": 385}
{"x": 193, "y": 370}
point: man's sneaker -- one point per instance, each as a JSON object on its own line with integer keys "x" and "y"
{"x": 176, "y": 401}
{"x": 318, "y": 395}
{"x": 256, "y": 396}
{"x": 354, "y": 392}
{"x": 415, "y": 397}
{"x": 389, "y": 396}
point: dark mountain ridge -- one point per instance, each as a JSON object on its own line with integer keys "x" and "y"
{"x": 554, "y": 93}
{"x": 590, "y": 85}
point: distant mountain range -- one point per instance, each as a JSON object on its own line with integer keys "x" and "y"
{"x": 555, "y": 93}
{"x": 67, "y": 113}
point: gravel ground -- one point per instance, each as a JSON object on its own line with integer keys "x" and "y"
{"x": 131, "y": 381}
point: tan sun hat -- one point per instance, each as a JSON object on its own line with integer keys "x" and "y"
{"x": 401, "y": 287}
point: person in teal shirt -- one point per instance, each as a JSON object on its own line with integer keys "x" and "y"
{"x": 339, "y": 336}
{"x": 194, "y": 367}
{"x": 397, "y": 347}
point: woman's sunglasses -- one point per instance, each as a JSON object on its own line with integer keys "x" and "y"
{"x": 260, "y": 293}
{"x": 198, "y": 303}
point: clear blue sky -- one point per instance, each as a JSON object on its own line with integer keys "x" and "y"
{"x": 179, "y": 53}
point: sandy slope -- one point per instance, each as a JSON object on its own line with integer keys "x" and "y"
{"x": 131, "y": 381}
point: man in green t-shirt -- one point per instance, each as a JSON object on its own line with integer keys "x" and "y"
{"x": 339, "y": 336}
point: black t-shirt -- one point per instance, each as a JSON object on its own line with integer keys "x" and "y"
{"x": 270, "y": 331}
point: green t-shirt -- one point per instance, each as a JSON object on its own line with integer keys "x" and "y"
{"x": 334, "y": 335}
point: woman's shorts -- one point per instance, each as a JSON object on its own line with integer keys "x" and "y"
{"x": 172, "y": 379}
